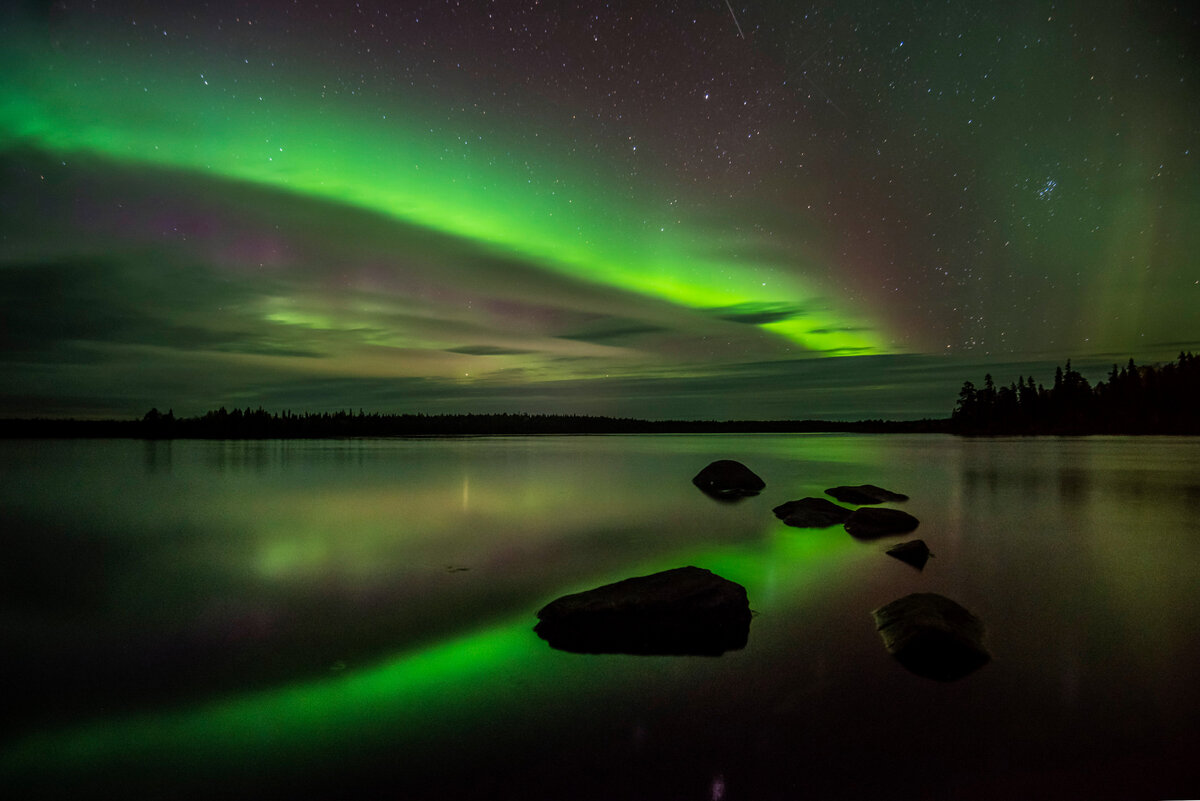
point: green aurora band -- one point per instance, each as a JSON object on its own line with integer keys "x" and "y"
{"x": 482, "y": 185}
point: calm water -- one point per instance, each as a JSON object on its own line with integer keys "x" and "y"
{"x": 347, "y": 618}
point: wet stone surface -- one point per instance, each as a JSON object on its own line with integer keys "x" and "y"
{"x": 687, "y": 610}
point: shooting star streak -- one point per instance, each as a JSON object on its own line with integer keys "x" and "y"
{"x": 735, "y": 21}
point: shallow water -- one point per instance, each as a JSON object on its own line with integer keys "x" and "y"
{"x": 354, "y": 617}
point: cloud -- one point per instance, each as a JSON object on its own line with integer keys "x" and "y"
{"x": 852, "y": 388}
{"x": 758, "y": 313}
{"x": 846, "y": 329}
{"x": 212, "y": 263}
{"x": 52, "y": 306}
{"x": 622, "y": 330}
{"x": 487, "y": 350}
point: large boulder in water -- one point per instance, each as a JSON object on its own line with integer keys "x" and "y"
{"x": 864, "y": 494}
{"x": 871, "y": 522}
{"x": 688, "y": 610}
{"x": 726, "y": 478}
{"x": 811, "y": 513}
{"x": 932, "y": 636}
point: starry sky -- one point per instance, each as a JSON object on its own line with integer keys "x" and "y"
{"x": 670, "y": 209}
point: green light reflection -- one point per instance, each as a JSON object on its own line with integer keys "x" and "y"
{"x": 418, "y": 697}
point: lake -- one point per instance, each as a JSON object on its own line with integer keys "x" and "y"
{"x": 353, "y": 618}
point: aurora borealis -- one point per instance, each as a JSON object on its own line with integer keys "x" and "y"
{"x": 692, "y": 209}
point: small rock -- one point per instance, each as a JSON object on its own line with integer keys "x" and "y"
{"x": 914, "y": 552}
{"x": 932, "y": 636}
{"x": 864, "y": 494}
{"x": 687, "y": 610}
{"x": 811, "y": 513}
{"x": 871, "y": 522}
{"x": 726, "y": 478}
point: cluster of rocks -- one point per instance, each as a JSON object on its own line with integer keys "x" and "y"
{"x": 868, "y": 522}
{"x": 690, "y": 610}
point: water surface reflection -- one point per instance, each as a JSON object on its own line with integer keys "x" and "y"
{"x": 345, "y": 616}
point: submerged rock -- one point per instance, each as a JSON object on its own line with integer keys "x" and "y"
{"x": 687, "y": 610}
{"x": 914, "y": 552}
{"x": 871, "y": 522}
{"x": 726, "y": 478}
{"x": 864, "y": 494}
{"x": 932, "y": 636}
{"x": 811, "y": 513}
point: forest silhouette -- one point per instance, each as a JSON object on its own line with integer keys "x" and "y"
{"x": 1134, "y": 400}
{"x": 262, "y": 424}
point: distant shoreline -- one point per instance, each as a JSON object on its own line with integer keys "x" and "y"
{"x": 257, "y": 425}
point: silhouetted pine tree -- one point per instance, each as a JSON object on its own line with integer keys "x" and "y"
{"x": 1134, "y": 400}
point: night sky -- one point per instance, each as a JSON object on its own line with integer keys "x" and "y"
{"x": 673, "y": 209}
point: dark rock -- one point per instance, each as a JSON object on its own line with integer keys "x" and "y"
{"x": 865, "y": 493}
{"x": 914, "y": 552}
{"x": 811, "y": 513}
{"x": 726, "y": 478}
{"x": 687, "y": 610}
{"x": 871, "y": 522}
{"x": 932, "y": 636}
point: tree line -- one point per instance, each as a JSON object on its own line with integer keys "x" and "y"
{"x": 260, "y": 423}
{"x": 1133, "y": 400}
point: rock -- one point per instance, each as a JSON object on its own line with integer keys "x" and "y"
{"x": 871, "y": 522}
{"x": 726, "y": 478}
{"x": 811, "y": 513}
{"x": 914, "y": 552}
{"x": 865, "y": 493}
{"x": 932, "y": 636}
{"x": 687, "y": 610}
